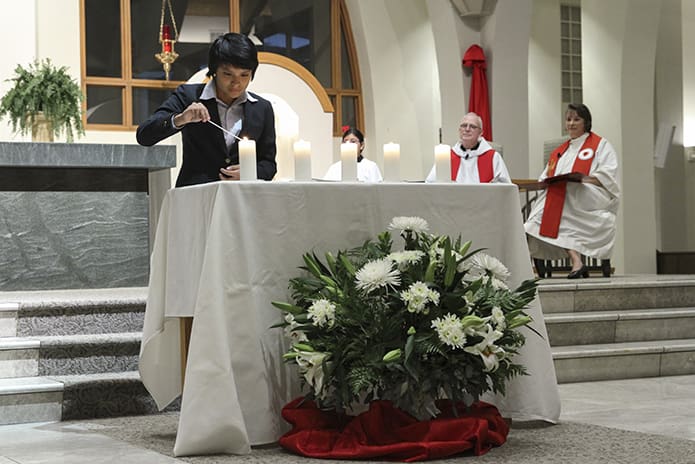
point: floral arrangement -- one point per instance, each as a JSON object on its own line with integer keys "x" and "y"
{"x": 429, "y": 322}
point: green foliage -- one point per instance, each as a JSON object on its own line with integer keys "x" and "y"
{"x": 433, "y": 321}
{"x": 42, "y": 87}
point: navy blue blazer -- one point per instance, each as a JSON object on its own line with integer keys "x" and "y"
{"x": 204, "y": 149}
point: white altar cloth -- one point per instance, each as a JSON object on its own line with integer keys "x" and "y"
{"x": 223, "y": 251}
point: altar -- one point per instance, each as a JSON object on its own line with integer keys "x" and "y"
{"x": 223, "y": 251}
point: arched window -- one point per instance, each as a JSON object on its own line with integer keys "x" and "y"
{"x": 124, "y": 82}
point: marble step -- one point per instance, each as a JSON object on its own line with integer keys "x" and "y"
{"x": 30, "y": 399}
{"x": 8, "y": 319}
{"x": 68, "y": 312}
{"x": 617, "y": 293}
{"x": 19, "y": 357}
{"x": 88, "y": 354}
{"x": 611, "y": 361}
{"x": 596, "y": 327}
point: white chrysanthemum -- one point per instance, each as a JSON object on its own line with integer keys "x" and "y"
{"x": 417, "y": 296}
{"x": 405, "y": 258}
{"x": 450, "y": 330}
{"x": 498, "y": 317}
{"x": 493, "y": 265}
{"x": 411, "y": 223}
{"x": 322, "y": 313}
{"x": 499, "y": 284}
{"x": 377, "y": 273}
{"x": 291, "y": 331}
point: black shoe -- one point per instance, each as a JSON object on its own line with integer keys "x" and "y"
{"x": 540, "y": 268}
{"x": 581, "y": 272}
{"x": 606, "y": 267}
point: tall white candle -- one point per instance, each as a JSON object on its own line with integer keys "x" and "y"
{"x": 302, "y": 160}
{"x": 247, "y": 159}
{"x": 392, "y": 162}
{"x": 442, "y": 162}
{"x": 348, "y": 162}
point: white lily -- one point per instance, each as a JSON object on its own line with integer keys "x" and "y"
{"x": 487, "y": 350}
{"x": 311, "y": 366}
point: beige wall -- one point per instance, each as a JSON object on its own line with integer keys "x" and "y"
{"x": 670, "y": 192}
{"x": 688, "y": 28}
{"x": 544, "y": 96}
{"x": 400, "y": 80}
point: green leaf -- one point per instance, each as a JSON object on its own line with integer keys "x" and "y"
{"x": 347, "y": 264}
{"x": 304, "y": 347}
{"x": 312, "y": 265}
{"x": 287, "y": 307}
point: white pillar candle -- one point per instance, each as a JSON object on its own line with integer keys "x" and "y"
{"x": 302, "y": 160}
{"x": 392, "y": 162}
{"x": 442, "y": 162}
{"x": 348, "y": 162}
{"x": 247, "y": 159}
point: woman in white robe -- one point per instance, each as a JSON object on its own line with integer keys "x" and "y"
{"x": 367, "y": 170}
{"x": 587, "y": 217}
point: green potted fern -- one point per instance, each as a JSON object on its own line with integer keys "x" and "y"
{"x": 43, "y": 92}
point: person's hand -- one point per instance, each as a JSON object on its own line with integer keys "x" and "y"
{"x": 232, "y": 172}
{"x": 196, "y": 112}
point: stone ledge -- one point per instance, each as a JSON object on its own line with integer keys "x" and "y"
{"x": 86, "y": 155}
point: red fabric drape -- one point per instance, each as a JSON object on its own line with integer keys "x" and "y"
{"x": 478, "y": 100}
{"x": 387, "y": 433}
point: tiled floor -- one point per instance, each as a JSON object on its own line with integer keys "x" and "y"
{"x": 661, "y": 405}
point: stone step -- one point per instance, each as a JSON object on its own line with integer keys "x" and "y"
{"x": 88, "y": 354}
{"x": 611, "y": 361}
{"x": 596, "y": 327}
{"x": 617, "y": 293}
{"x": 19, "y": 357}
{"x": 30, "y": 399}
{"x": 68, "y": 312}
{"x": 8, "y": 319}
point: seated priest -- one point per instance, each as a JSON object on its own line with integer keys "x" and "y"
{"x": 473, "y": 160}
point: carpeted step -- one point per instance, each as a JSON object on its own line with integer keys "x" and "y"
{"x": 68, "y": 312}
{"x": 88, "y": 354}
{"x": 596, "y": 327}
{"x": 106, "y": 395}
{"x": 584, "y": 363}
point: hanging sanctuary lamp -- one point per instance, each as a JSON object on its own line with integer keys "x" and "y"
{"x": 168, "y": 55}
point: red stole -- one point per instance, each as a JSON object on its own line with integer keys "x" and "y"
{"x": 555, "y": 193}
{"x": 485, "y": 170}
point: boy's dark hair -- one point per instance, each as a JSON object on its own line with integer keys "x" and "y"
{"x": 235, "y": 49}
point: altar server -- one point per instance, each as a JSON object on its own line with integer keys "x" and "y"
{"x": 367, "y": 170}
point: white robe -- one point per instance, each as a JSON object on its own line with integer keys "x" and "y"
{"x": 367, "y": 171}
{"x": 468, "y": 169}
{"x": 588, "y": 217}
